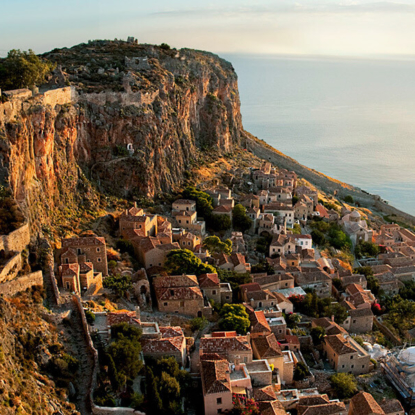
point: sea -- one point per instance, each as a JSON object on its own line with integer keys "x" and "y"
{"x": 352, "y": 119}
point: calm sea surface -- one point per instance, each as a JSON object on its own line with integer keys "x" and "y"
{"x": 353, "y": 120}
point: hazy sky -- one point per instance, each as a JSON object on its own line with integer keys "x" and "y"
{"x": 304, "y": 27}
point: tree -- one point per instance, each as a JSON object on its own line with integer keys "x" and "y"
{"x": 318, "y": 237}
{"x": 214, "y": 245}
{"x": 366, "y": 249}
{"x": 234, "y": 317}
{"x": 234, "y": 278}
{"x": 155, "y": 404}
{"x": 219, "y": 222}
{"x": 118, "y": 284}
{"x": 125, "y": 331}
{"x": 23, "y": 70}
{"x": 296, "y": 229}
{"x": 204, "y": 202}
{"x": 338, "y": 239}
{"x": 349, "y": 199}
{"x": 344, "y": 384}
{"x": 339, "y": 312}
{"x": 169, "y": 388}
{"x": 240, "y": 220}
{"x": 366, "y": 271}
{"x": 90, "y": 317}
{"x": 183, "y": 261}
{"x": 317, "y": 334}
{"x": 126, "y": 356}
{"x": 198, "y": 323}
{"x": 292, "y": 320}
{"x": 373, "y": 284}
{"x": 301, "y": 371}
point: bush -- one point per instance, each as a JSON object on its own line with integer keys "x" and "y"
{"x": 344, "y": 384}
{"x": 301, "y": 371}
{"x": 349, "y": 199}
{"x": 118, "y": 284}
{"x": 90, "y": 317}
{"x": 198, "y": 323}
{"x": 234, "y": 317}
{"x": 240, "y": 220}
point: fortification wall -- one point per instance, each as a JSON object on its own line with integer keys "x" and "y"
{"x": 17, "y": 240}
{"x": 122, "y": 98}
{"x": 97, "y": 410}
{"x": 11, "y": 269}
{"x": 21, "y": 284}
{"x": 60, "y": 96}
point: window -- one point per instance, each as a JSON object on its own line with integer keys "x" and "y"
{"x": 79, "y": 251}
{"x": 363, "y": 366}
{"x": 342, "y": 366}
{"x": 352, "y": 366}
{"x": 165, "y": 304}
{"x": 227, "y": 297}
{"x": 351, "y": 357}
{"x": 214, "y": 292}
{"x": 98, "y": 249}
{"x": 219, "y": 401}
{"x": 171, "y": 292}
{"x": 354, "y": 321}
{"x": 99, "y": 259}
{"x": 187, "y": 221}
{"x": 66, "y": 261}
{"x": 245, "y": 359}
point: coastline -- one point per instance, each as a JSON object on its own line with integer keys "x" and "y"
{"x": 327, "y": 184}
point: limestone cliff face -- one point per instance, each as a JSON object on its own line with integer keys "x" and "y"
{"x": 168, "y": 106}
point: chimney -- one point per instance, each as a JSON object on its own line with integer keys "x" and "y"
{"x": 135, "y": 205}
{"x": 137, "y": 313}
{"x": 126, "y": 212}
{"x": 332, "y": 318}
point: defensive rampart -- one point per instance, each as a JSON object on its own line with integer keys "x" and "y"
{"x": 22, "y": 283}
{"x": 17, "y": 240}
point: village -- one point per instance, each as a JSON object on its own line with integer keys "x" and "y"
{"x": 280, "y": 300}
{"x": 263, "y": 314}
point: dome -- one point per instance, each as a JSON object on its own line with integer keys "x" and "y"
{"x": 355, "y": 214}
{"x": 408, "y": 356}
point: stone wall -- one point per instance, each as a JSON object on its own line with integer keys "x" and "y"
{"x": 122, "y": 98}
{"x": 21, "y": 284}
{"x": 97, "y": 410}
{"x": 60, "y": 96}
{"x": 11, "y": 269}
{"x": 17, "y": 240}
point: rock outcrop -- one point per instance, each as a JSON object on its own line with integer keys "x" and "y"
{"x": 142, "y": 117}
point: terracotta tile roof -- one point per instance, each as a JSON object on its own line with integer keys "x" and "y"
{"x": 209, "y": 281}
{"x": 354, "y": 288}
{"x": 329, "y": 326}
{"x": 339, "y": 344}
{"x": 361, "y": 312}
{"x": 310, "y": 277}
{"x": 222, "y": 209}
{"x": 262, "y": 279}
{"x": 265, "y": 393}
{"x": 86, "y": 267}
{"x": 323, "y": 409}
{"x": 215, "y": 376}
{"x": 69, "y": 270}
{"x": 267, "y": 347}
{"x": 176, "y": 281}
{"x": 259, "y": 323}
{"x": 322, "y": 210}
{"x": 83, "y": 241}
{"x": 391, "y": 406}
{"x": 292, "y": 339}
{"x": 306, "y": 401}
{"x": 170, "y": 331}
{"x": 178, "y": 294}
{"x": 250, "y": 287}
{"x": 184, "y": 202}
{"x": 223, "y": 345}
{"x": 238, "y": 259}
{"x": 147, "y": 244}
{"x": 365, "y": 404}
{"x": 271, "y": 408}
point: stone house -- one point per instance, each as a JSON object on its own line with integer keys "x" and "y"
{"x": 184, "y": 205}
{"x": 152, "y": 252}
{"x": 359, "y": 320}
{"x": 79, "y": 276}
{"x": 319, "y": 281}
{"x": 187, "y": 219}
{"x": 250, "y": 201}
{"x": 356, "y": 227}
{"x": 228, "y": 344}
{"x": 180, "y": 294}
{"x": 265, "y": 224}
{"x": 189, "y": 241}
{"x": 290, "y": 342}
{"x": 300, "y": 210}
{"x": 216, "y": 386}
{"x": 254, "y": 214}
{"x": 171, "y": 342}
{"x": 345, "y": 355}
{"x": 304, "y": 241}
{"x": 274, "y": 282}
{"x": 213, "y": 289}
{"x": 223, "y": 210}
{"x": 304, "y": 190}
{"x": 281, "y": 209}
{"x": 135, "y": 218}
{"x": 91, "y": 248}
{"x": 234, "y": 262}
{"x": 282, "y": 245}
{"x": 330, "y": 326}
{"x": 389, "y": 283}
{"x": 320, "y": 405}
{"x": 279, "y": 194}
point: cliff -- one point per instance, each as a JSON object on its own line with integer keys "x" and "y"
{"x": 140, "y": 118}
